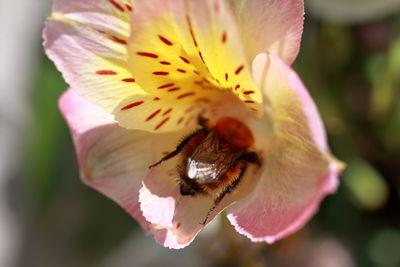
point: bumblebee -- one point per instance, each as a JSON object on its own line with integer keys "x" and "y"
{"x": 214, "y": 158}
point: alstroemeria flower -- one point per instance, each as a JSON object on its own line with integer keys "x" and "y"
{"x": 143, "y": 71}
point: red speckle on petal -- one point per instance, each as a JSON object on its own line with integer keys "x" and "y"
{"x": 237, "y": 86}
{"x": 249, "y": 101}
{"x": 185, "y": 60}
{"x": 161, "y": 73}
{"x": 226, "y": 77}
{"x": 167, "y": 112}
{"x": 203, "y": 99}
{"x": 178, "y": 225}
{"x": 196, "y": 72}
{"x": 216, "y": 6}
{"x": 174, "y": 89}
{"x": 224, "y": 37}
{"x": 100, "y": 31}
{"x": 165, "y": 40}
{"x": 186, "y": 95}
{"x": 129, "y": 7}
{"x": 180, "y": 120}
{"x": 116, "y": 5}
{"x": 118, "y": 40}
{"x": 161, "y": 123}
{"x": 189, "y": 109}
{"x": 128, "y": 80}
{"x": 191, "y": 31}
{"x": 106, "y": 72}
{"x": 153, "y": 114}
{"x": 248, "y": 92}
{"x": 135, "y": 104}
{"x": 145, "y": 54}
{"x": 156, "y": 98}
{"x": 165, "y": 85}
{"x": 189, "y": 120}
{"x": 201, "y": 57}
{"x": 181, "y": 70}
{"x": 165, "y": 63}
{"x": 239, "y": 69}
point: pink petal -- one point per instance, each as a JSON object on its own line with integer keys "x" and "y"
{"x": 298, "y": 169}
{"x": 270, "y": 26}
{"x": 179, "y": 216}
{"x": 87, "y": 42}
{"x": 68, "y": 6}
{"x": 112, "y": 160}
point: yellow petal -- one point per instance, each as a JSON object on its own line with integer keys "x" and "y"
{"x": 193, "y": 46}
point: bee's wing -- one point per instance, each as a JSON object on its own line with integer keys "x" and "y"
{"x": 208, "y": 163}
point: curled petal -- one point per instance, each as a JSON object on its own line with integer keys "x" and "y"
{"x": 112, "y": 160}
{"x": 87, "y": 40}
{"x": 117, "y": 7}
{"x": 89, "y": 62}
{"x": 273, "y": 26}
{"x": 298, "y": 170}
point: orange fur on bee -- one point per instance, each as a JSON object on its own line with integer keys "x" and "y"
{"x": 234, "y": 132}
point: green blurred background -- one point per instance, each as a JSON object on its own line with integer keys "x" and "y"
{"x": 349, "y": 60}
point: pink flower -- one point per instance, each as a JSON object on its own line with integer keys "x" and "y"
{"x": 142, "y": 73}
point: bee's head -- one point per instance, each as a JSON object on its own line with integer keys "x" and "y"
{"x": 187, "y": 190}
{"x": 189, "y": 187}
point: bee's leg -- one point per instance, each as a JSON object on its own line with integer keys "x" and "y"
{"x": 251, "y": 157}
{"x": 177, "y": 150}
{"x": 242, "y": 166}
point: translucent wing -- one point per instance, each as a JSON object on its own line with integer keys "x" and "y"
{"x": 209, "y": 162}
